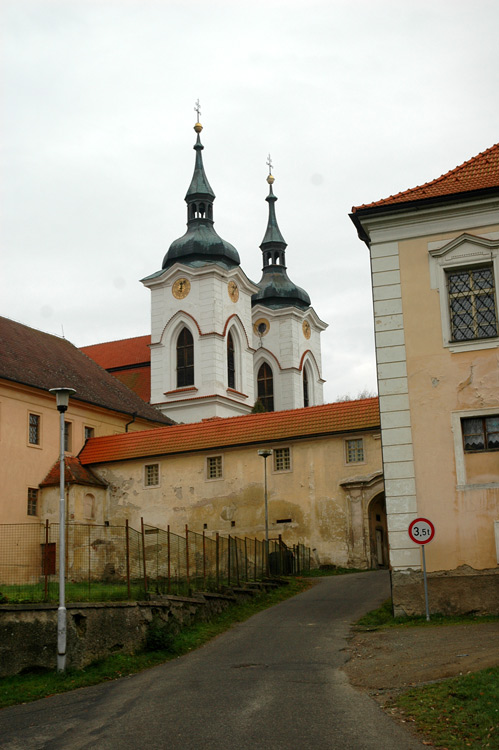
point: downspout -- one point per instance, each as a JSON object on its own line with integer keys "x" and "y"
{"x": 131, "y": 421}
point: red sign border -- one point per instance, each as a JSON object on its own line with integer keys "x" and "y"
{"x": 418, "y": 541}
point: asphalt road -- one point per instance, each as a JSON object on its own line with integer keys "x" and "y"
{"x": 273, "y": 681}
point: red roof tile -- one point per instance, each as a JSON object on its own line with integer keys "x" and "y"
{"x": 346, "y": 416}
{"x": 74, "y": 473}
{"x": 120, "y": 353}
{"x": 479, "y": 173}
{"x": 138, "y": 379}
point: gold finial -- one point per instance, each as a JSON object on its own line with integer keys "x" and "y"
{"x": 198, "y": 127}
{"x": 270, "y": 178}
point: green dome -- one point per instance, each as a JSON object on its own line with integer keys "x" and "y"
{"x": 277, "y": 290}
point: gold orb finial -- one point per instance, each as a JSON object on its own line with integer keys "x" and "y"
{"x": 198, "y": 127}
{"x": 270, "y": 179}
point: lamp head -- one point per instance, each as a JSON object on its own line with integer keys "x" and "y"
{"x": 265, "y": 452}
{"x": 62, "y": 397}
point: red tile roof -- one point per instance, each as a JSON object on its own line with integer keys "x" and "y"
{"x": 138, "y": 379}
{"x": 122, "y": 353}
{"x": 44, "y": 361}
{"x": 346, "y": 416}
{"x": 74, "y": 473}
{"x": 479, "y": 173}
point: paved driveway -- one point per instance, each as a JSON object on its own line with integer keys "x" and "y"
{"x": 271, "y": 682}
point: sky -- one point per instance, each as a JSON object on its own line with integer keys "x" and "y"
{"x": 355, "y": 101}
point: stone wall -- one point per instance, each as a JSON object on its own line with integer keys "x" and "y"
{"x": 460, "y": 591}
{"x": 28, "y": 633}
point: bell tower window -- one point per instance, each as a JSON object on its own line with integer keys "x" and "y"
{"x": 231, "y": 363}
{"x": 185, "y": 359}
{"x": 266, "y": 387}
{"x": 306, "y": 399}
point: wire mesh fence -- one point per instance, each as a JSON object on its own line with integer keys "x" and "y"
{"x": 122, "y": 563}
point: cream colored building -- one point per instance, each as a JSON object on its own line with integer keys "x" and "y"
{"x": 31, "y": 362}
{"x": 325, "y": 487}
{"x": 435, "y": 265}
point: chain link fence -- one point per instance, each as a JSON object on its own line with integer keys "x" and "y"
{"x": 106, "y": 563}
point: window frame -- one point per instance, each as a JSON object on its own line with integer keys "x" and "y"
{"x": 68, "y": 436}
{"x": 31, "y": 500}
{"x": 276, "y": 457}
{"x": 483, "y": 419}
{"x": 473, "y": 294}
{"x": 267, "y": 398}
{"x": 355, "y": 461}
{"x": 463, "y": 252}
{"x": 218, "y": 457}
{"x": 459, "y": 453}
{"x": 85, "y": 428}
{"x": 184, "y": 359}
{"x": 38, "y": 416}
{"x": 147, "y": 484}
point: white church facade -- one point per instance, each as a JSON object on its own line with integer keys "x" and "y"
{"x": 220, "y": 342}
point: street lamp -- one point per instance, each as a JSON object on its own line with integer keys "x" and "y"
{"x": 265, "y": 453}
{"x": 62, "y": 399}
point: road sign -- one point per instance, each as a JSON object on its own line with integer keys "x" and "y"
{"x": 421, "y": 531}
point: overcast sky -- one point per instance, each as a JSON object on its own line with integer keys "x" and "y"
{"x": 355, "y": 101}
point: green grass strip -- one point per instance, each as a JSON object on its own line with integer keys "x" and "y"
{"x": 28, "y": 687}
{"x": 383, "y": 617}
{"x": 459, "y": 713}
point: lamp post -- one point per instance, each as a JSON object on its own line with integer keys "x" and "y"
{"x": 62, "y": 399}
{"x": 265, "y": 453}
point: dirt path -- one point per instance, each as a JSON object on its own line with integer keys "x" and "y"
{"x": 386, "y": 662}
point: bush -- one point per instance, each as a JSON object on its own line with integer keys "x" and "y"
{"x": 159, "y": 637}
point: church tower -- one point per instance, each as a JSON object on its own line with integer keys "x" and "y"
{"x": 286, "y": 329}
{"x": 201, "y": 326}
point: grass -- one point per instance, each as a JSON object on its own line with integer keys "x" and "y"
{"x": 383, "y": 618}
{"x": 459, "y": 713}
{"x": 32, "y": 686}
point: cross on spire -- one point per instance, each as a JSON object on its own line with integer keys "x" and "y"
{"x": 197, "y": 109}
{"x": 269, "y": 163}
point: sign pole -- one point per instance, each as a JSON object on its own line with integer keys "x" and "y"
{"x": 422, "y": 531}
{"x": 425, "y": 585}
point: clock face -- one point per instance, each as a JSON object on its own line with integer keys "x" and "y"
{"x": 181, "y": 288}
{"x": 261, "y": 327}
{"x": 306, "y": 329}
{"x": 233, "y": 291}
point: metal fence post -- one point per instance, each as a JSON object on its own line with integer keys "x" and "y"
{"x": 246, "y": 558}
{"x": 45, "y": 559}
{"x": 255, "y": 559}
{"x": 228, "y": 563}
{"x": 127, "y": 542}
{"x": 217, "y": 560}
{"x": 204, "y": 560}
{"x": 169, "y": 557}
{"x": 237, "y": 560}
{"x": 144, "y": 554}
{"x": 187, "y": 556}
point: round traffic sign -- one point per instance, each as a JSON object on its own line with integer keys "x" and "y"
{"x": 421, "y": 530}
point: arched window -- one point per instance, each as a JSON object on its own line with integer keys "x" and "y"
{"x": 266, "y": 387}
{"x": 185, "y": 359}
{"x": 306, "y": 399}
{"x": 231, "y": 362}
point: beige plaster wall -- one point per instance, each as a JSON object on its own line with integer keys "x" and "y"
{"x": 442, "y": 382}
{"x": 310, "y": 495}
{"x": 23, "y": 465}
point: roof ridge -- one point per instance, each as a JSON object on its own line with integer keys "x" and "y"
{"x": 117, "y": 341}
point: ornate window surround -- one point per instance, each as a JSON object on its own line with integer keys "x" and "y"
{"x": 464, "y": 251}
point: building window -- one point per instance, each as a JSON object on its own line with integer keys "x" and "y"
{"x": 282, "y": 459}
{"x": 34, "y": 429}
{"x": 185, "y": 359}
{"x": 32, "y": 502}
{"x": 472, "y": 303}
{"x": 68, "y": 430}
{"x": 231, "y": 363}
{"x": 354, "y": 451}
{"x": 151, "y": 475}
{"x": 214, "y": 467}
{"x": 481, "y": 433}
{"x": 89, "y": 432}
{"x": 266, "y": 387}
{"x": 306, "y": 401}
